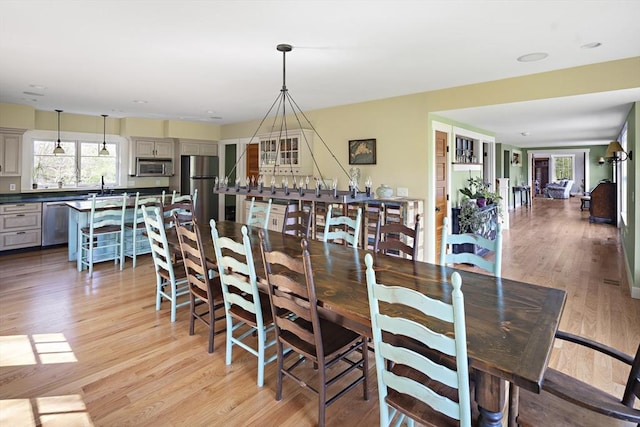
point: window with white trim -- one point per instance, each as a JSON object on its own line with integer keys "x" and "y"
{"x": 562, "y": 167}
{"x": 624, "y": 180}
{"x": 79, "y": 166}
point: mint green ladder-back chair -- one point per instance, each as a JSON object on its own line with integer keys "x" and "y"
{"x": 259, "y": 214}
{"x": 171, "y": 280}
{"x": 134, "y": 242}
{"x": 495, "y": 246}
{"x": 403, "y": 394}
{"x": 103, "y": 237}
{"x": 342, "y": 227}
{"x": 244, "y": 304}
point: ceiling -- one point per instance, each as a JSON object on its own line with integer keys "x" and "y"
{"x": 216, "y": 61}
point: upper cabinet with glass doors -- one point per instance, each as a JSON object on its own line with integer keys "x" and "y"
{"x": 288, "y": 154}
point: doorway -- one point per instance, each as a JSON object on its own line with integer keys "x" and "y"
{"x": 540, "y": 174}
{"x": 441, "y": 142}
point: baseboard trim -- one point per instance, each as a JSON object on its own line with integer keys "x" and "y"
{"x": 633, "y": 290}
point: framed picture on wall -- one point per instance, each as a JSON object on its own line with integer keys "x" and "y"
{"x": 362, "y": 152}
{"x": 516, "y": 158}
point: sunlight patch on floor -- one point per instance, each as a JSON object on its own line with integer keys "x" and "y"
{"x": 22, "y": 350}
{"x": 49, "y": 411}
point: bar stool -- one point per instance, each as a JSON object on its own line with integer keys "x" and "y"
{"x": 585, "y": 201}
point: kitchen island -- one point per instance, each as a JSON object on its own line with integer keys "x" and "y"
{"x": 79, "y": 213}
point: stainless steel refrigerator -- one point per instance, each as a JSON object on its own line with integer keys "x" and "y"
{"x": 199, "y": 172}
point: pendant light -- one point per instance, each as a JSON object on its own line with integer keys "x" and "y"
{"x": 58, "y": 149}
{"x": 104, "y": 151}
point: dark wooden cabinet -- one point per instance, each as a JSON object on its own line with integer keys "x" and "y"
{"x": 603, "y": 206}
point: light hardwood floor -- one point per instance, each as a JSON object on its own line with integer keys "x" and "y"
{"x": 81, "y": 351}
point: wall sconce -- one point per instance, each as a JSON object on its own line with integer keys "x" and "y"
{"x": 612, "y": 153}
{"x": 601, "y": 161}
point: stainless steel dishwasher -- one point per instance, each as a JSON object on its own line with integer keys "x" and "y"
{"x": 55, "y": 220}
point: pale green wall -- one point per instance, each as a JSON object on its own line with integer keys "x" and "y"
{"x": 26, "y": 117}
{"x": 403, "y": 128}
{"x": 402, "y": 125}
{"x": 596, "y": 172}
{"x": 17, "y": 116}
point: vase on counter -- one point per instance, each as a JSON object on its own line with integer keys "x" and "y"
{"x": 384, "y": 191}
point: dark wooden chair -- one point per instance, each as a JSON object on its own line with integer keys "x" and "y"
{"x": 318, "y": 341}
{"x": 183, "y": 209}
{"x": 567, "y": 401}
{"x": 297, "y": 222}
{"x": 397, "y": 238}
{"x": 203, "y": 290}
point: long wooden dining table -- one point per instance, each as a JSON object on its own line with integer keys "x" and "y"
{"x": 510, "y": 324}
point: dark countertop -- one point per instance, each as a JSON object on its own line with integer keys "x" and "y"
{"x": 61, "y": 196}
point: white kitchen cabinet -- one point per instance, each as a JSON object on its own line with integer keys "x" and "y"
{"x": 198, "y": 149}
{"x": 10, "y": 153}
{"x": 20, "y": 225}
{"x": 286, "y": 154}
{"x": 149, "y": 148}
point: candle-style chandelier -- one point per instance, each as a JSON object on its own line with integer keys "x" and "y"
{"x": 299, "y": 187}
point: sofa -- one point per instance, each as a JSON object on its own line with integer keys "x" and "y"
{"x": 560, "y": 189}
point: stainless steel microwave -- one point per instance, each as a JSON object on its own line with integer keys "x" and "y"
{"x": 154, "y": 167}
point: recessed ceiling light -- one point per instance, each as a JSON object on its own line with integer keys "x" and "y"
{"x": 524, "y": 133}
{"x": 532, "y": 57}
{"x": 139, "y": 101}
{"x": 591, "y": 45}
{"x": 33, "y": 93}
{"x": 216, "y": 118}
{"x": 38, "y": 86}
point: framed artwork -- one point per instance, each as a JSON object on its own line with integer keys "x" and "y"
{"x": 362, "y": 152}
{"x": 516, "y": 158}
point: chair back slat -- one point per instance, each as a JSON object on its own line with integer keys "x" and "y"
{"x": 183, "y": 209}
{"x": 160, "y": 250}
{"x": 193, "y": 257}
{"x": 342, "y": 227}
{"x": 494, "y": 246}
{"x": 297, "y": 222}
{"x": 259, "y": 214}
{"x": 291, "y": 289}
{"x": 192, "y": 198}
{"x": 395, "y": 237}
{"x": 237, "y": 272}
{"x": 387, "y": 324}
{"x": 108, "y": 212}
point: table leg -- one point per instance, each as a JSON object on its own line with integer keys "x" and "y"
{"x": 490, "y": 396}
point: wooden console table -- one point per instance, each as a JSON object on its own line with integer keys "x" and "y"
{"x": 520, "y": 189}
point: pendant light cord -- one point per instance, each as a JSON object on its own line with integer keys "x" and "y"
{"x": 284, "y": 98}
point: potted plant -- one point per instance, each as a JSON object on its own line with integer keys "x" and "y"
{"x": 37, "y": 173}
{"x": 478, "y": 190}
{"x": 477, "y": 211}
{"x": 469, "y": 218}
